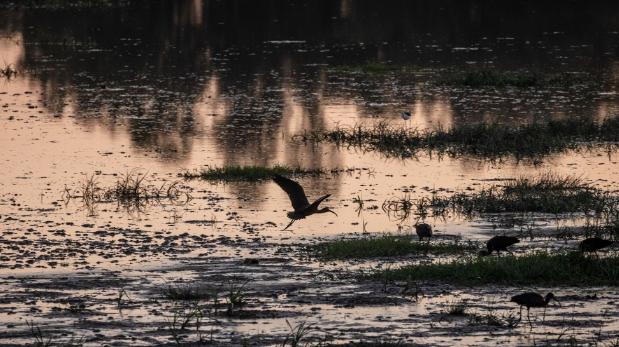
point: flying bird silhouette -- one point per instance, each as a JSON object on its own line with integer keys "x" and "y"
{"x": 300, "y": 204}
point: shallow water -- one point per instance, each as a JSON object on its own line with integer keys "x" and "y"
{"x": 174, "y": 86}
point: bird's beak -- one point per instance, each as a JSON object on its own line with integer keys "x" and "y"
{"x": 555, "y": 299}
{"x": 333, "y": 212}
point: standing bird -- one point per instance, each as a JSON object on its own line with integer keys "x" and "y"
{"x": 406, "y": 116}
{"x": 423, "y": 230}
{"x": 593, "y": 244}
{"x": 498, "y": 244}
{"x": 531, "y": 299}
{"x": 302, "y": 207}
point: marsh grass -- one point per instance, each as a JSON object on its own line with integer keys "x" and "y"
{"x": 297, "y": 334}
{"x": 521, "y": 79}
{"x": 539, "y": 268}
{"x": 546, "y": 193}
{"x": 399, "y": 208}
{"x": 250, "y": 172}
{"x": 457, "y": 308}
{"x": 386, "y": 246}
{"x": 8, "y": 71}
{"x": 236, "y": 296}
{"x": 133, "y": 191}
{"x": 484, "y": 140}
{"x": 41, "y": 340}
{"x": 374, "y": 68}
{"x": 186, "y": 292}
{"x": 508, "y": 320}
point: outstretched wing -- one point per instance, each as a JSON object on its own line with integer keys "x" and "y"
{"x": 294, "y": 190}
{"x": 319, "y": 200}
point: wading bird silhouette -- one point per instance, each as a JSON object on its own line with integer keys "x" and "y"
{"x": 498, "y": 244}
{"x": 593, "y": 244}
{"x": 406, "y": 116}
{"x": 531, "y": 299}
{"x": 302, "y": 207}
{"x": 423, "y": 230}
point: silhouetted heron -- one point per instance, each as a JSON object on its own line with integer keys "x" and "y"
{"x": 423, "y": 230}
{"x": 302, "y": 207}
{"x": 593, "y": 244}
{"x": 531, "y": 299}
{"x": 498, "y": 244}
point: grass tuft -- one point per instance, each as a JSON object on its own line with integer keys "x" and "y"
{"x": 133, "y": 191}
{"x": 249, "y": 173}
{"x": 8, "y": 71}
{"x": 485, "y": 140}
{"x": 187, "y": 293}
{"x": 539, "y": 268}
{"x": 386, "y": 246}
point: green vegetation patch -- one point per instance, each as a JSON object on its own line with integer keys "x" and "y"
{"x": 486, "y": 140}
{"x": 385, "y": 246}
{"x": 374, "y": 68}
{"x": 521, "y": 79}
{"x": 249, "y": 172}
{"x": 547, "y": 193}
{"x": 540, "y": 268}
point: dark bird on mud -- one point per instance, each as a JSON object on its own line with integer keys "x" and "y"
{"x": 593, "y": 244}
{"x": 498, "y": 244}
{"x": 423, "y": 230}
{"x": 406, "y": 116}
{"x": 302, "y": 207}
{"x": 531, "y": 299}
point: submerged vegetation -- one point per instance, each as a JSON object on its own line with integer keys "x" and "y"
{"x": 539, "y": 268}
{"x": 250, "y": 172}
{"x": 385, "y": 246}
{"x": 487, "y": 140}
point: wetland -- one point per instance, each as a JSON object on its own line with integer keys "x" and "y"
{"x": 139, "y": 139}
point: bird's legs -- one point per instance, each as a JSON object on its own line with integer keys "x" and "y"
{"x": 520, "y": 315}
{"x": 289, "y": 224}
{"x": 529, "y": 317}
